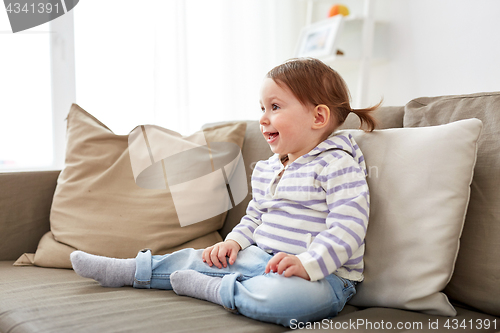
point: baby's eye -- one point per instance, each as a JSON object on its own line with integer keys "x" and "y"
{"x": 275, "y": 107}
{"x": 263, "y": 109}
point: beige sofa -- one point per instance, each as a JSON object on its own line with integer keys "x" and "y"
{"x": 36, "y": 299}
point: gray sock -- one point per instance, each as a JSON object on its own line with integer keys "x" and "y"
{"x": 194, "y": 284}
{"x": 109, "y": 272}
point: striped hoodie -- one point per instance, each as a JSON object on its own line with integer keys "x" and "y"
{"x": 317, "y": 209}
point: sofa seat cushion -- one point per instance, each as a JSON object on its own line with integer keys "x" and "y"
{"x": 393, "y": 320}
{"x": 35, "y": 299}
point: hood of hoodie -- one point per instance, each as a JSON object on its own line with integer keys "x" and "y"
{"x": 343, "y": 142}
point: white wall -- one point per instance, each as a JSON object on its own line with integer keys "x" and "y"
{"x": 440, "y": 48}
{"x": 434, "y": 47}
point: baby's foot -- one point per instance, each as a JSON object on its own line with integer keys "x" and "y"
{"x": 109, "y": 272}
{"x": 194, "y": 284}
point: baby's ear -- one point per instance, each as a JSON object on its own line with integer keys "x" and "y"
{"x": 321, "y": 116}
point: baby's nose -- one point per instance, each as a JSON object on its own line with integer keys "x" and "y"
{"x": 264, "y": 120}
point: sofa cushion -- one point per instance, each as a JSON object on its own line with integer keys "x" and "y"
{"x": 393, "y": 320}
{"x": 419, "y": 182}
{"x": 36, "y": 299}
{"x": 98, "y": 208}
{"x": 207, "y": 176}
{"x": 477, "y": 272}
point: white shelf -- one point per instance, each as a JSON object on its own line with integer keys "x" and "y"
{"x": 351, "y": 44}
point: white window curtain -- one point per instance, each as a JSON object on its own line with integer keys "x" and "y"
{"x": 179, "y": 63}
{"x": 25, "y": 98}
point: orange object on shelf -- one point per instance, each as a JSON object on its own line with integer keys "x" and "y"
{"x": 338, "y": 9}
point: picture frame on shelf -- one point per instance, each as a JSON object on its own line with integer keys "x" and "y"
{"x": 319, "y": 39}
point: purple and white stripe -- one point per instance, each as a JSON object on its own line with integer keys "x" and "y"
{"x": 318, "y": 210}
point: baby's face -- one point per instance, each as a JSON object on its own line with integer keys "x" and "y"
{"x": 285, "y": 122}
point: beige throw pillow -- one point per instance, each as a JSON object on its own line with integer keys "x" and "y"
{"x": 476, "y": 278}
{"x": 419, "y": 180}
{"x": 98, "y": 208}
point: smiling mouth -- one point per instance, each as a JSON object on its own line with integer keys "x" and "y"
{"x": 272, "y": 136}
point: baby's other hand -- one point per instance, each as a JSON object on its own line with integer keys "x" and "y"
{"x": 216, "y": 254}
{"x": 288, "y": 263}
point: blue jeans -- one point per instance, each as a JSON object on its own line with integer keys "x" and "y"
{"x": 247, "y": 290}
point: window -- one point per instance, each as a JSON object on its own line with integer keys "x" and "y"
{"x": 184, "y": 64}
{"x": 25, "y": 106}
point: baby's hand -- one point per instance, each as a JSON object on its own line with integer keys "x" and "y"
{"x": 216, "y": 254}
{"x": 288, "y": 263}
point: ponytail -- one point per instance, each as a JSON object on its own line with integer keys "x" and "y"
{"x": 366, "y": 117}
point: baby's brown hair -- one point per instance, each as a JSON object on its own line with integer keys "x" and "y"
{"x": 313, "y": 82}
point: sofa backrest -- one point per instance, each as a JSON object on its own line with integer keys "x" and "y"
{"x": 25, "y": 200}
{"x": 387, "y": 117}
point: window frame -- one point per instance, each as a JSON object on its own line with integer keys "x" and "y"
{"x": 63, "y": 80}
